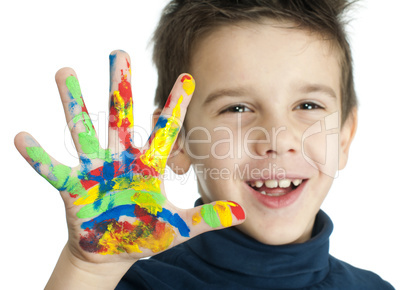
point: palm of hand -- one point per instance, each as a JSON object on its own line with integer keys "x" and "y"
{"x": 117, "y": 194}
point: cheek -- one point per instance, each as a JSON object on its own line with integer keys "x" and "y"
{"x": 220, "y": 144}
{"x": 223, "y": 144}
{"x": 321, "y": 151}
{"x": 198, "y": 144}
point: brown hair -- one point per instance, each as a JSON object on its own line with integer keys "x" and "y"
{"x": 184, "y": 21}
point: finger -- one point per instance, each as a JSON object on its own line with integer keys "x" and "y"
{"x": 57, "y": 174}
{"x": 169, "y": 123}
{"x": 213, "y": 216}
{"x": 121, "y": 121}
{"x": 77, "y": 117}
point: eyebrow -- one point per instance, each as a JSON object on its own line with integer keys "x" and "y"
{"x": 313, "y": 88}
{"x": 237, "y": 92}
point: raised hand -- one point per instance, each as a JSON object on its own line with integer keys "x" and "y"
{"x": 115, "y": 200}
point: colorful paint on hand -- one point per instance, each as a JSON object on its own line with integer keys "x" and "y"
{"x": 120, "y": 202}
{"x": 219, "y": 214}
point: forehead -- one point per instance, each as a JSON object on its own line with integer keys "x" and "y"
{"x": 276, "y": 53}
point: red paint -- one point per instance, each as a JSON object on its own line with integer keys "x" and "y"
{"x": 186, "y": 77}
{"x": 140, "y": 167}
{"x": 87, "y": 184}
{"x": 90, "y": 242}
{"x": 237, "y": 211}
{"x": 125, "y": 90}
{"x": 159, "y": 230}
{"x": 128, "y": 227}
{"x": 168, "y": 101}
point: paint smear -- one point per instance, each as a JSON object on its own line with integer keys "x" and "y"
{"x": 220, "y": 214}
{"x": 188, "y": 84}
{"x": 162, "y": 140}
{"x": 196, "y": 219}
{"x": 75, "y": 90}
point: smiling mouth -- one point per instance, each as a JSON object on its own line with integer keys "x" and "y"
{"x": 275, "y": 188}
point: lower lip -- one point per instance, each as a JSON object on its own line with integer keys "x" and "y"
{"x": 276, "y": 202}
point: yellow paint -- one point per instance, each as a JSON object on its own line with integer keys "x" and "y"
{"x": 224, "y": 212}
{"x": 189, "y": 86}
{"x": 158, "y": 152}
{"x": 123, "y": 112}
{"x": 196, "y": 219}
{"x": 117, "y": 240}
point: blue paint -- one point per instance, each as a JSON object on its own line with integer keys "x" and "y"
{"x": 86, "y": 164}
{"x": 36, "y": 166}
{"x": 97, "y": 204}
{"x": 72, "y": 104}
{"x": 175, "y": 220}
{"x": 127, "y": 161}
{"x": 161, "y": 123}
{"x": 114, "y": 213}
{"x": 64, "y": 186}
{"x": 108, "y": 170}
{"x": 128, "y": 210}
{"x": 112, "y": 61}
{"x": 106, "y": 186}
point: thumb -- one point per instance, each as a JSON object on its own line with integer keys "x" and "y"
{"x": 214, "y": 216}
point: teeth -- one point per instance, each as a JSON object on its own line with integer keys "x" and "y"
{"x": 263, "y": 192}
{"x": 259, "y": 183}
{"x": 296, "y": 182}
{"x": 283, "y": 183}
{"x": 271, "y": 183}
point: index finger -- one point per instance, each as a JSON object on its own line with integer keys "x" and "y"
{"x": 169, "y": 123}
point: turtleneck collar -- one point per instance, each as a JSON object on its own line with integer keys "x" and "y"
{"x": 301, "y": 265}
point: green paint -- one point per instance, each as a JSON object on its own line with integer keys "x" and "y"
{"x": 62, "y": 173}
{"x": 64, "y": 180}
{"x": 75, "y": 90}
{"x": 210, "y": 216}
{"x": 39, "y": 155}
{"x": 88, "y": 140}
{"x": 59, "y": 175}
{"x": 119, "y": 198}
{"x": 124, "y": 197}
{"x": 151, "y": 201}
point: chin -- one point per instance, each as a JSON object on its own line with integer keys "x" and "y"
{"x": 277, "y": 235}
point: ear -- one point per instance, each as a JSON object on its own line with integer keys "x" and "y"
{"x": 348, "y": 132}
{"x": 179, "y": 161}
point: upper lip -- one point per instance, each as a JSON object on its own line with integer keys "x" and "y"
{"x": 278, "y": 177}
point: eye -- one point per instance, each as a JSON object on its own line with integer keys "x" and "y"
{"x": 239, "y": 108}
{"x": 308, "y": 106}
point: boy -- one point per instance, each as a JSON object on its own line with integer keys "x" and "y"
{"x": 270, "y": 123}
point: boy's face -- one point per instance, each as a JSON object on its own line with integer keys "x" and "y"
{"x": 266, "y": 111}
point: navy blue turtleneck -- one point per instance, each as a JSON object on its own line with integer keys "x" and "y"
{"x": 228, "y": 259}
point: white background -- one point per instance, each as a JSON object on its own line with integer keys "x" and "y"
{"x": 39, "y": 37}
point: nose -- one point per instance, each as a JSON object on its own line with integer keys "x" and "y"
{"x": 276, "y": 141}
